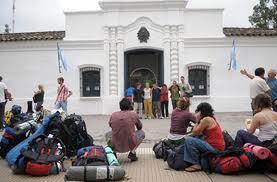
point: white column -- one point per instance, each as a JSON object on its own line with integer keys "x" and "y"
{"x": 113, "y": 63}
{"x": 181, "y": 47}
{"x": 120, "y": 56}
{"x": 174, "y": 56}
{"x": 105, "y": 79}
{"x": 166, "y": 45}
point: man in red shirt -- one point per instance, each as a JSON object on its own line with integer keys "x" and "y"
{"x": 124, "y": 137}
{"x": 62, "y": 95}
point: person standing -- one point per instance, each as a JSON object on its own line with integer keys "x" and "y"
{"x": 271, "y": 82}
{"x": 175, "y": 94}
{"x": 164, "y": 101}
{"x": 62, "y": 95}
{"x": 156, "y": 93}
{"x": 258, "y": 85}
{"x": 138, "y": 100}
{"x": 147, "y": 101}
{"x": 4, "y": 96}
{"x": 38, "y": 97}
{"x": 185, "y": 88}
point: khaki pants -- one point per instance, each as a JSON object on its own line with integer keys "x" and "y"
{"x": 148, "y": 108}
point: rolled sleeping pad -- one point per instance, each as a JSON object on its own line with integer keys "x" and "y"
{"x": 26, "y": 126}
{"x": 111, "y": 157}
{"x": 14, "y": 153}
{"x": 258, "y": 151}
{"x": 94, "y": 173}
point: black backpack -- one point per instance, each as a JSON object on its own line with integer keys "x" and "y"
{"x": 42, "y": 155}
{"x": 163, "y": 148}
{"x": 175, "y": 159}
{"x": 72, "y": 131}
{"x": 229, "y": 141}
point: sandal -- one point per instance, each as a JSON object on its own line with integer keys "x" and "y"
{"x": 193, "y": 168}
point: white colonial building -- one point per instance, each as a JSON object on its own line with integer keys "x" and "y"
{"x": 134, "y": 40}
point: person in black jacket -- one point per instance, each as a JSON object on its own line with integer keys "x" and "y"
{"x": 38, "y": 97}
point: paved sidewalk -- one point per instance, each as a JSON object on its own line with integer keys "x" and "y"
{"x": 148, "y": 168}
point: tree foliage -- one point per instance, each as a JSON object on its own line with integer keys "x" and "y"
{"x": 265, "y": 14}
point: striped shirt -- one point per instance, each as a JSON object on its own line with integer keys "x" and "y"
{"x": 62, "y": 92}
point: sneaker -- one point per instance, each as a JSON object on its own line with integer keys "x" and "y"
{"x": 161, "y": 117}
{"x": 132, "y": 156}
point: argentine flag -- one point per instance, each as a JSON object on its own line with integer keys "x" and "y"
{"x": 61, "y": 59}
{"x": 233, "y": 59}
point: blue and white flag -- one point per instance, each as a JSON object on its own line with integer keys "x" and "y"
{"x": 61, "y": 59}
{"x": 233, "y": 58}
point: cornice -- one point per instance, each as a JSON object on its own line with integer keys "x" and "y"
{"x": 149, "y": 4}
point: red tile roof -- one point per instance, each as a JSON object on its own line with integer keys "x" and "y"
{"x": 249, "y": 32}
{"x": 59, "y": 35}
{"x": 51, "y": 35}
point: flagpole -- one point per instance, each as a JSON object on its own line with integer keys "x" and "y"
{"x": 58, "y": 51}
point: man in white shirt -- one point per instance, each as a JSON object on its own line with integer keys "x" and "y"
{"x": 258, "y": 86}
{"x": 4, "y": 94}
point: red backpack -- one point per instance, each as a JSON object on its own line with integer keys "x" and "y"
{"x": 42, "y": 155}
{"x": 228, "y": 162}
{"x": 91, "y": 156}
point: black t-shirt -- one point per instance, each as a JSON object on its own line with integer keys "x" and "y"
{"x": 138, "y": 95}
{"x": 39, "y": 97}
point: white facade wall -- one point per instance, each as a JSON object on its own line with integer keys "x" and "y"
{"x": 100, "y": 39}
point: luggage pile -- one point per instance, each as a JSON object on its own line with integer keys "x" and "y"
{"x": 231, "y": 160}
{"x": 95, "y": 163}
{"x": 38, "y": 146}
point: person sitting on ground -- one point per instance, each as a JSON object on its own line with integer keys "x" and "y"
{"x": 271, "y": 82}
{"x": 180, "y": 121}
{"x": 265, "y": 120}
{"x": 124, "y": 137}
{"x": 212, "y": 140}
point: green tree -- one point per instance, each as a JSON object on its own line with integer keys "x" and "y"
{"x": 274, "y": 13}
{"x": 261, "y": 17}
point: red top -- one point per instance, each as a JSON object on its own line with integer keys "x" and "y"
{"x": 214, "y": 137}
{"x": 164, "y": 95}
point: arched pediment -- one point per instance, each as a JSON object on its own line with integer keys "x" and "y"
{"x": 144, "y": 22}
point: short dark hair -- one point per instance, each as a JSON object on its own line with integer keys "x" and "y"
{"x": 125, "y": 104}
{"x": 61, "y": 79}
{"x": 205, "y": 109}
{"x": 182, "y": 77}
{"x": 262, "y": 101}
{"x": 1, "y": 78}
{"x": 259, "y": 71}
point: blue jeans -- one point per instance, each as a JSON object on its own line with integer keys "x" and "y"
{"x": 244, "y": 137}
{"x": 194, "y": 148}
{"x": 61, "y": 104}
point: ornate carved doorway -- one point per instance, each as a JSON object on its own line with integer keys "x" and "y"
{"x": 143, "y": 65}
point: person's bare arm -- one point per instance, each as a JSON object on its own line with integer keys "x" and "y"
{"x": 254, "y": 124}
{"x": 8, "y": 94}
{"x": 244, "y": 72}
{"x": 201, "y": 126}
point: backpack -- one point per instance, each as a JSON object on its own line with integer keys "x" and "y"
{"x": 72, "y": 131}
{"x": 162, "y": 149}
{"x": 9, "y": 140}
{"x": 175, "y": 159}
{"x": 228, "y": 161}
{"x": 229, "y": 141}
{"x": 42, "y": 156}
{"x": 91, "y": 156}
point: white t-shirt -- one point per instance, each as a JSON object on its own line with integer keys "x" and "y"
{"x": 258, "y": 86}
{"x": 2, "y": 93}
{"x": 147, "y": 93}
